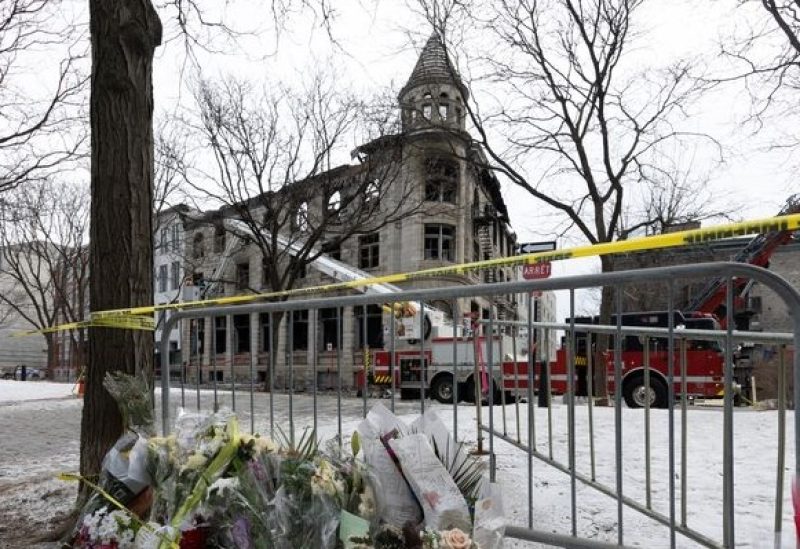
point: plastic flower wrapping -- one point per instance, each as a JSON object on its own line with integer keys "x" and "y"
{"x": 210, "y": 485}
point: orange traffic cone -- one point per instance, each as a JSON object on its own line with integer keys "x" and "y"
{"x": 81, "y": 387}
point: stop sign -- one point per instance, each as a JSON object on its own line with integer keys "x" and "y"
{"x": 536, "y": 270}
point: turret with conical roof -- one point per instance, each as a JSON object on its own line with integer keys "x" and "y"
{"x": 434, "y": 94}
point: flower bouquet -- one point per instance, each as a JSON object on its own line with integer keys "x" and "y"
{"x": 209, "y": 485}
{"x": 433, "y": 474}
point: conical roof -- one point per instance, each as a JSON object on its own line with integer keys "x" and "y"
{"x": 433, "y": 67}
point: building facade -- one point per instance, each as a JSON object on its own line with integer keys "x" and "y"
{"x": 445, "y": 208}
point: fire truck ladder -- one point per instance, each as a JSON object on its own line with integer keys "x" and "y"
{"x": 757, "y": 252}
{"x": 487, "y": 251}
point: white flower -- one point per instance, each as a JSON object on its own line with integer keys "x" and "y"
{"x": 195, "y": 461}
{"x": 326, "y": 481}
{"x": 210, "y": 447}
{"x": 147, "y": 537}
{"x": 225, "y": 484}
{"x": 104, "y": 527}
{"x": 262, "y": 445}
{"x": 366, "y": 507}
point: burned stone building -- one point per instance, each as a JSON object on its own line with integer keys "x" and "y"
{"x": 453, "y": 212}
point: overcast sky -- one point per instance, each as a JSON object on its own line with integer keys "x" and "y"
{"x": 377, "y": 44}
{"x": 376, "y": 52}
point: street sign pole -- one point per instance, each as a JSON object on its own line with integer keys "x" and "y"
{"x": 536, "y": 271}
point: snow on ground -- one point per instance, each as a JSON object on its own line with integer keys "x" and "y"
{"x": 40, "y": 438}
{"x": 20, "y": 391}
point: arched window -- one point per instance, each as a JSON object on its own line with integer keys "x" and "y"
{"x": 444, "y": 107}
{"x": 427, "y": 106}
{"x": 334, "y": 202}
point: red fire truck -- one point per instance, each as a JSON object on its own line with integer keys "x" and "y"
{"x": 509, "y": 365}
{"x": 703, "y": 367}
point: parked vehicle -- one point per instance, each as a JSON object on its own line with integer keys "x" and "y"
{"x": 703, "y": 371}
{"x": 16, "y": 372}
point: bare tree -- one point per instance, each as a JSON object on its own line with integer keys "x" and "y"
{"x": 273, "y": 170}
{"x": 44, "y": 260}
{"x": 170, "y": 150}
{"x": 765, "y": 51}
{"x": 124, "y": 37}
{"x": 41, "y": 133}
{"x": 597, "y": 132}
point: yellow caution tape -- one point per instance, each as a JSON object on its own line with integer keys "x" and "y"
{"x": 124, "y": 321}
{"x": 669, "y": 240}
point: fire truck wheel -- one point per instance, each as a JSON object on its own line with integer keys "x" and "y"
{"x": 635, "y": 392}
{"x": 467, "y": 393}
{"x": 442, "y": 389}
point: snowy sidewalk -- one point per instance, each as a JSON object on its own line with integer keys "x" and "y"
{"x": 40, "y": 426}
{"x": 21, "y": 391}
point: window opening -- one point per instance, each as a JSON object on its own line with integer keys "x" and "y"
{"x": 241, "y": 333}
{"x": 242, "y": 276}
{"x": 299, "y": 330}
{"x": 329, "y": 323}
{"x": 369, "y": 251}
{"x": 374, "y": 326}
{"x": 220, "y": 335}
{"x": 219, "y": 239}
{"x": 439, "y": 242}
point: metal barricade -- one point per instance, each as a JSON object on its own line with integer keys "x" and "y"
{"x": 585, "y": 466}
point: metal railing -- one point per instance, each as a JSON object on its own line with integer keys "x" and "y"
{"x": 294, "y": 408}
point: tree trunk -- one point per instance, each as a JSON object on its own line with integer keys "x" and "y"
{"x": 124, "y": 36}
{"x": 49, "y": 340}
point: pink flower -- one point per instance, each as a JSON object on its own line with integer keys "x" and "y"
{"x": 455, "y": 539}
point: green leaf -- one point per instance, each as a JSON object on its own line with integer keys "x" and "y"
{"x": 355, "y": 443}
